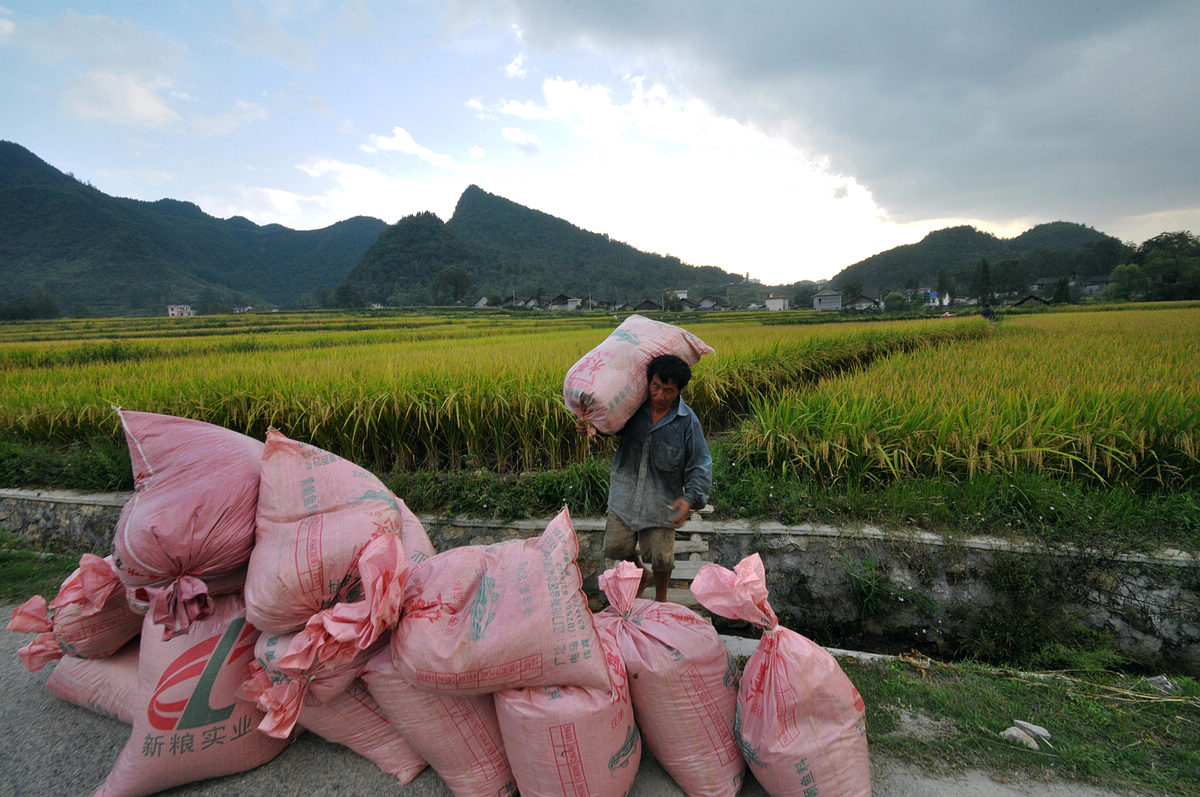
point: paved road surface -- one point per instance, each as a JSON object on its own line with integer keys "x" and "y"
{"x": 50, "y": 747}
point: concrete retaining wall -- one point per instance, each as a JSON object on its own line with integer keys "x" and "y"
{"x": 852, "y": 587}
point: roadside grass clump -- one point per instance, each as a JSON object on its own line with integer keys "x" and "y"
{"x": 484, "y": 494}
{"x": 1110, "y": 730}
{"x": 96, "y": 465}
{"x": 25, "y": 572}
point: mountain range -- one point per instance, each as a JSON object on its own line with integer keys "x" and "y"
{"x": 99, "y": 254}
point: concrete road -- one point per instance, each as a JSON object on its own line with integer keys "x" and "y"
{"x": 51, "y": 747}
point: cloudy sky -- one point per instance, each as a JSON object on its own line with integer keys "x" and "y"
{"x": 786, "y": 140}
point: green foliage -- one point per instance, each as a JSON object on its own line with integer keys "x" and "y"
{"x": 480, "y": 493}
{"x": 96, "y": 465}
{"x": 24, "y": 572}
{"x": 492, "y": 246}
{"x": 1110, "y": 730}
{"x": 1170, "y": 262}
{"x": 119, "y": 256}
{"x": 869, "y": 586}
{"x": 895, "y": 302}
{"x": 39, "y": 305}
{"x": 954, "y": 254}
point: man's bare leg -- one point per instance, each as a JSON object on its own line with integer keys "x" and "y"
{"x": 661, "y": 582}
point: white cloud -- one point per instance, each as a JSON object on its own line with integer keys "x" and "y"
{"x": 526, "y": 142}
{"x": 525, "y": 110}
{"x": 516, "y": 67}
{"x": 709, "y": 189}
{"x": 971, "y": 108}
{"x": 123, "y": 99}
{"x": 349, "y": 190}
{"x": 478, "y": 153}
{"x": 402, "y": 141}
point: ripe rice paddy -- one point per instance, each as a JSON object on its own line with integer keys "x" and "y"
{"x": 1106, "y": 396}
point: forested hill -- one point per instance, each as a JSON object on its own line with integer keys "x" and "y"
{"x": 1051, "y": 250}
{"x": 493, "y": 246}
{"x": 93, "y": 253}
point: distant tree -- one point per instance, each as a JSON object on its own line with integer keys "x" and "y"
{"x": 1101, "y": 257}
{"x": 450, "y": 285}
{"x": 347, "y": 295}
{"x": 1128, "y": 283}
{"x": 895, "y": 302}
{"x": 212, "y": 303}
{"x": 851, "y": 290}
{"x": 42, "y": 305}
{"x": 81, "y": 310}
{"x": 981, "y": 281}
{"x": 804, "y": 297}
{"x": 1011, "y": 277}
{"x": 1062, "y": 291}
{"x": 953, "y": 289}
{"x": 943, "y": 284}
{"x": 1177, "y": 245}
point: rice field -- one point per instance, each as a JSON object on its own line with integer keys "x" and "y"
{"x": 472, "y": 390}
{"x": 1107, "y": 396}
{"x": 1110, "y": 397}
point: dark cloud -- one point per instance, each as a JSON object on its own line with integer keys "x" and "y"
{"x": 1086, "y": 111}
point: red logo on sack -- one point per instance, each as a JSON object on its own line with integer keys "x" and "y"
{"x": 182, "y": 699}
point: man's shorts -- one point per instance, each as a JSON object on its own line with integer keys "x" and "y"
{"x": 656, "y": 545}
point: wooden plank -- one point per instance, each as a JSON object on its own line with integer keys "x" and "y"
{"x": 686, "y": 570}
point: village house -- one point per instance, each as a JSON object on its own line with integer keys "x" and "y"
{"x": 563, "y": 302}
{"x": 713, "y": 303}
{"x": 827, "y": 299}
{"x": 178, "y": 310}
{"x": 863, "y": 302}
{"x": 777, "y": 303}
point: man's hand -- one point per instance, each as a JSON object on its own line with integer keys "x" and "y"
{"x": 585, "y": 427}
{"x": 682, "y": 510}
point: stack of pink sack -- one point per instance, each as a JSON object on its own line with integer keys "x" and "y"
{"x": 186, "y": 534}
{"x": 608, "y": 384}
{"x": 801, "y": 723}
{"x": 215, "y": 518}
{"x": 494, "y": 643}
{"x": 284, "y": 589}
{"x": 88, "y": 619}
{"x": 684, "y": 685}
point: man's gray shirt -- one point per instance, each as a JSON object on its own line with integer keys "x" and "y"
{"x": 656, "y": 464}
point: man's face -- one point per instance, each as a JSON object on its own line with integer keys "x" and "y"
{"x": 662, "y": 394}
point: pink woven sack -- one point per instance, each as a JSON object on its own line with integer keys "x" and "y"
{"x": 89, "y": 618}
{"x": 354, "y": 720}
{"x": 606, "y": 386}
{"x": 189, "y": 723}
{"x": 480, "y": 618}
{"x": 191, "y": 516}
{"x": 329, "y": 701}
{"x": 328, "y": 557}
{"x": 572, "y": 741}
{"x": 458, "y": 735}
{"x": 684, "y": 685}
{"x": 283, "y": 682}
{"x": 107, "y": 686}
{"x": 801, "y": 722}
